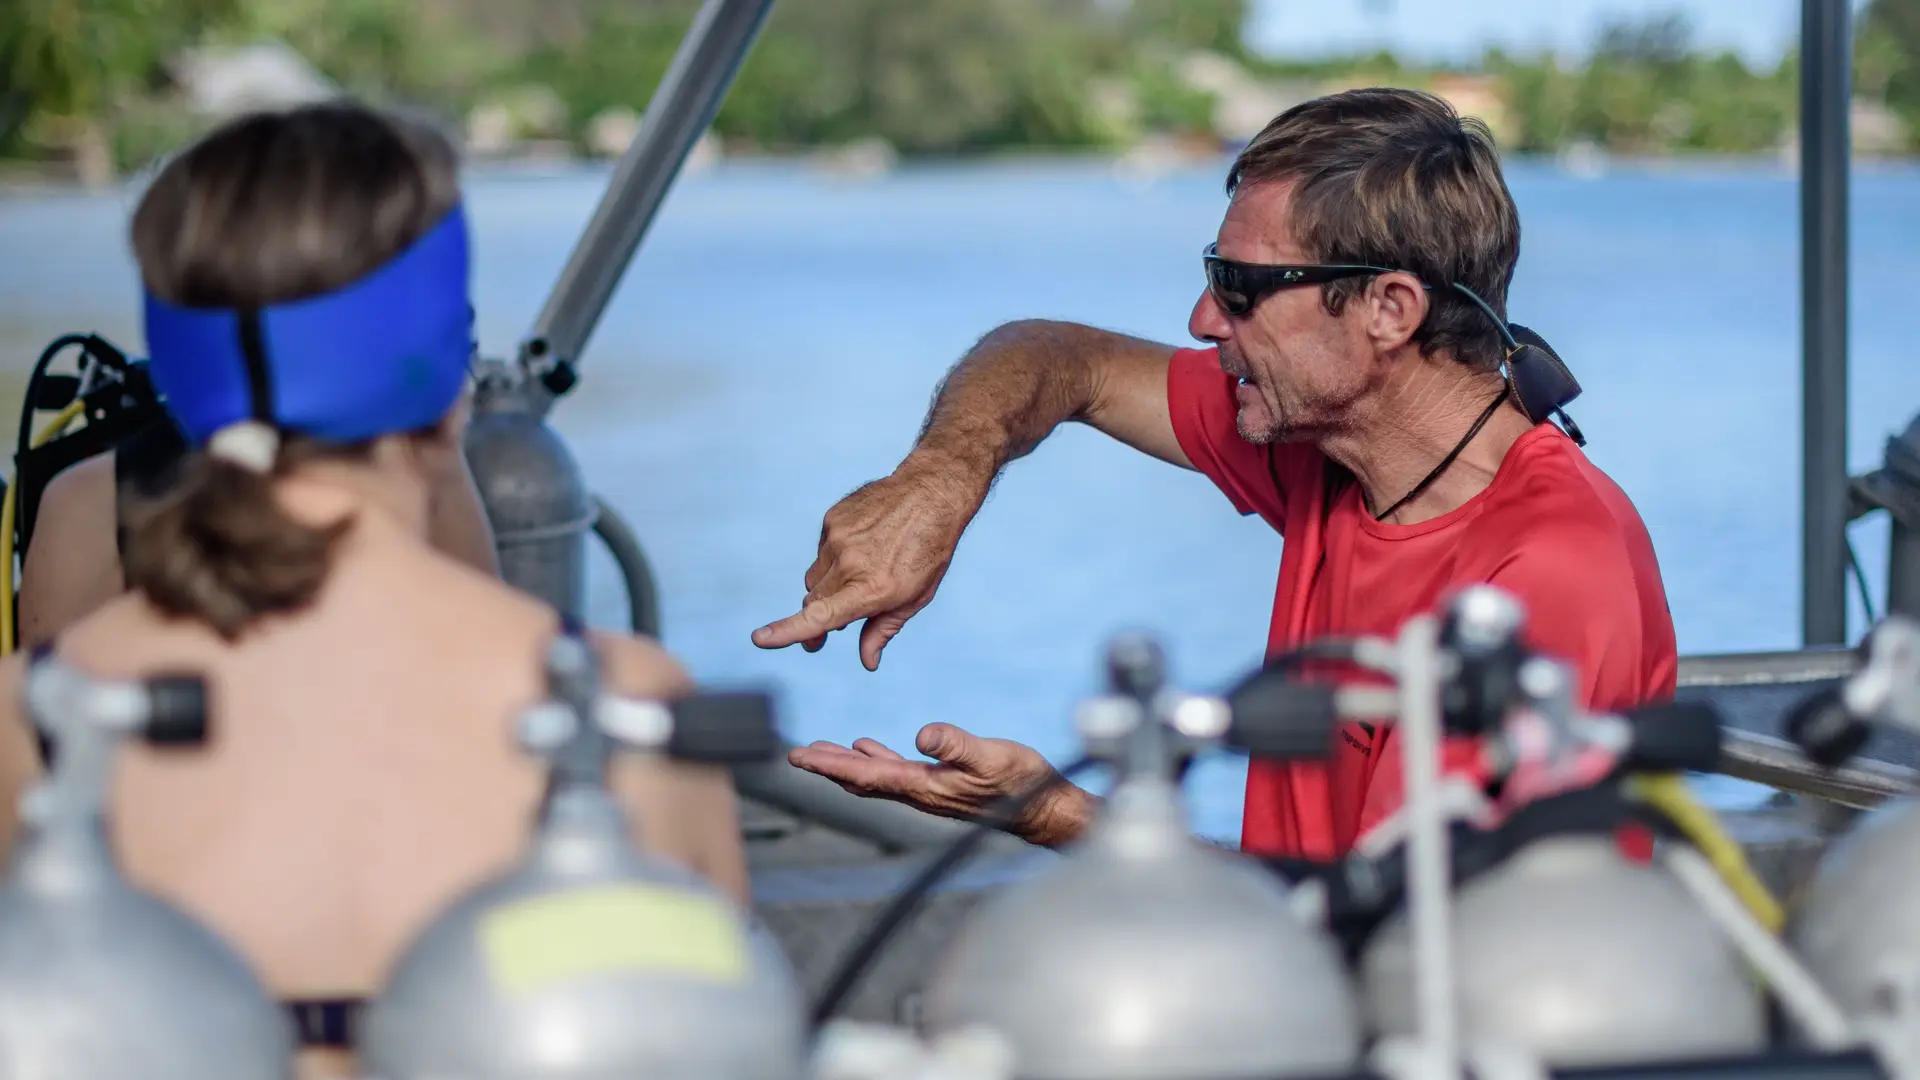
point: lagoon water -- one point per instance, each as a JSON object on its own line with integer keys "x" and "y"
{"x": 775, "y": 344}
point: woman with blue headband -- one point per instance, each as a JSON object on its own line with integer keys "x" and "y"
{"x": 307, "y": 317}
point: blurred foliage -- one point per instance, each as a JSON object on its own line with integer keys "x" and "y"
{"x": 932, "y": 76}
{"x": 1646, "y": 90}
{"x": 929, "y": 76}
{"x": 379, "y": 49}
{"x": 1887, "y": 57}
{"x": 1382, "y": 65}
{"x": 1167, "y": 104}
{"x": 1214, "y": 25}
{"x": 65, "y": 65}
{"x": 74, "y": 57}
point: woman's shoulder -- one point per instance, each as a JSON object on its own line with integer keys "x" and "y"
{"x": 633, "y": 664}
{"x": 637, "y": 666}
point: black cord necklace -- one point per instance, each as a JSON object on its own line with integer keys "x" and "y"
{"x": 1448, "y": 460}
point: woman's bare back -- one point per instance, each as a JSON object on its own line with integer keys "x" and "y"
{"x": 361, "y": 771}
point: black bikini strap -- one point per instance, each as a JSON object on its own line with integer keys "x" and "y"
{"x": 326, "y": 1022}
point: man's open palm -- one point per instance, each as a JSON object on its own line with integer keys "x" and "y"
{"x": 967, "y": 775}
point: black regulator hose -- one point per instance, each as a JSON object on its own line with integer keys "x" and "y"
{"x": 906, "y": 903}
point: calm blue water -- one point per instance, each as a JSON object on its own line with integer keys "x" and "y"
{"x": 775, "y": 345}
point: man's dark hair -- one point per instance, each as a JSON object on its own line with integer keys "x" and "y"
{"x": 1397, "y": 178}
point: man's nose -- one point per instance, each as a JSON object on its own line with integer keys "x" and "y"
{"x": 1208, "y": 322}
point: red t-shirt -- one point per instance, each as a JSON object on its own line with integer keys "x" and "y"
{"x": 1552, "y": 529}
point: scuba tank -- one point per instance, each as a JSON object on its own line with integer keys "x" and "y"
{"x": 1856, "y": 924}
{"x": 591, "y": 961}
{"x": 99, "y": 981}
{"x": 1564, "y": 948}
{"x": 1583, "y": 958}
{"x": 1145, "y": 953}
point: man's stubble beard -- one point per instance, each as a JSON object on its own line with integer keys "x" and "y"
{"x": 1262, "y": 437}
{"x": 1277, "y": 429}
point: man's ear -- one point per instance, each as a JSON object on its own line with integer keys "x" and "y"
{"x": 1396, "y": 305}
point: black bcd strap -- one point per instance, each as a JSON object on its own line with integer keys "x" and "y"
{"x": 120, "y": 402}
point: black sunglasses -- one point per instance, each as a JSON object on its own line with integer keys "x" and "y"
{"x": 1238, "y": 286}
{"x": 1535, "y": 373}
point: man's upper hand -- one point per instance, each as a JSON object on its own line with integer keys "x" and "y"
{"x": 883, "y": 551}
{"x": 968, "y": 775}
{"x": 884, "y": 548}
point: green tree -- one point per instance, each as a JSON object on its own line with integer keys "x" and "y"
{"x": 1540, "y": 99}
{"x": 72, "y": 62}
{"x": 1216, "y": 25}
{"x": 1735, "y": 110}
{"x": 1899, "y": 20}
{"x": 1167, "y": 104}
{"x": 618, "y": 59}
{"x": 936, "y": 73}
{"x": 377, "y": 49}
{"x": 935, "y": 76}
{"x": 1887, "y": 57}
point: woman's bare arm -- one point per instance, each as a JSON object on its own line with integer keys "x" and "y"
{"x": 73, "y": 564}
{"x": 19, "y": 751}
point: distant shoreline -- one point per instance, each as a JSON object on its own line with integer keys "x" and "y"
{"x": 23, "y": 179}
{"x": 31, "y": 183}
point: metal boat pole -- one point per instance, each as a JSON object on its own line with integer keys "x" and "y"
{"x": 1826, "y": 72}
{"x": 536, "y": 498}
{"x": 681, "y": 110}
{"x": 535, "y": 495}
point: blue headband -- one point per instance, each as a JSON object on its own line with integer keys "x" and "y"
{"x": 387, "y": 353}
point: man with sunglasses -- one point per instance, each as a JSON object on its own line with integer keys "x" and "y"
{"x": 1360, "y": 393}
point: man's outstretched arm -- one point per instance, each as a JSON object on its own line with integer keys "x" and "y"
{"x": 884, "y": 548}
{"x": 1025, "y": 378}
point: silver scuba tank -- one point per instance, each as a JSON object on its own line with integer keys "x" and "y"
{"x": 1145, "y": 953}
{"x": 1568, "y": 951}
{"x": 1582, "y": 958}
{"x": 1856, "y": 923}
{"x": 591, "y": 961}
{"x": 98, "y": 980}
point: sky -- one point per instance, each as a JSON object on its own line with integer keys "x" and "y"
{"x": 1760, "y": 30}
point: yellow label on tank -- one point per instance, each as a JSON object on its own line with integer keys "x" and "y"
{"x": 535, "y": 944}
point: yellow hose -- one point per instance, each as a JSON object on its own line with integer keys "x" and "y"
{"x": 8, "y": 512}
{"x": 1667, "y": 793}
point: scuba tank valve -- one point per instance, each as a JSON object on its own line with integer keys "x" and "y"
{"x": 1568, "y": 951}
{"x": 98, "y": 980}
{"x": 1144, "y": 953}
{"x": 590, "y": 961}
